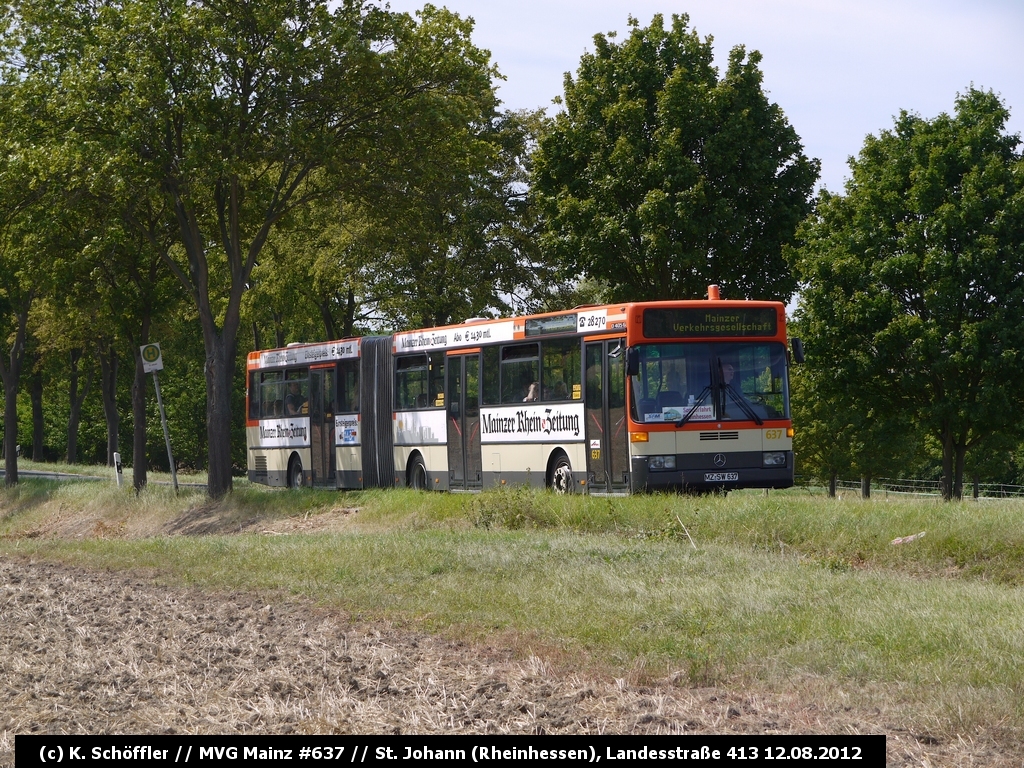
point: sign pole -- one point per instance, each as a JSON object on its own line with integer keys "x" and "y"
{"x": 153, "y": 361}
{"x": 167, "y": 434}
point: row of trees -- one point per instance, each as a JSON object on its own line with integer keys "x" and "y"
{"x": 226, "y": 177}
{"x": 166, "y": 159}
{"x": 912, "y": 303}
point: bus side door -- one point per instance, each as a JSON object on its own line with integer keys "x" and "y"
{"x": 462, "y": 402}
{"x": 607, "y": 433}
{"x": 321, "y": 425}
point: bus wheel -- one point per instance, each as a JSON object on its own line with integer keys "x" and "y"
{"x": 417, "y": 474}
{"x": 561, "y": 475}
{"x": 295, "y": 473}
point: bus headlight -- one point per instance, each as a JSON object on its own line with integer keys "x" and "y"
{"x": 774, "y": 459}
{"x": 662, "y": 462}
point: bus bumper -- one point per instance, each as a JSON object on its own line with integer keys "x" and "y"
{"x": 709, "y": 478}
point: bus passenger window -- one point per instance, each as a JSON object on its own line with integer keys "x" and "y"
{"x": 254, "y": 396}
{"x": 435, "y": 396}
{"x": 411, "y": 382}
{"x": 520, "y": 369}
{"x": 348, "y": 386}
{"x": 272, "y": 395}
{"x": 296, "y": 398}
{"x": 491, "y": 392}
{"x": 560, "y": 370}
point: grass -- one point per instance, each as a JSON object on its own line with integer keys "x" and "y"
{"x": 740, "y": 590}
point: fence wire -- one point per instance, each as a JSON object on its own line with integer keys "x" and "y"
{"x": 930, "y": 488}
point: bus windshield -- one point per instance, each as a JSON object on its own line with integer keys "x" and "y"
{"x": 721, "y": 381}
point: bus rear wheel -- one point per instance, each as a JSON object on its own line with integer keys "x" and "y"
{"x": 295, "y": 473}
{"x": 417, "y": 474}
{"x": 561, "y": 475}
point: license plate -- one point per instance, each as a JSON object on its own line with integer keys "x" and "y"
{"x": 721, "y": 477}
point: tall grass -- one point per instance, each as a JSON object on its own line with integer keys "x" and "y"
{"x": 770, "y": 590}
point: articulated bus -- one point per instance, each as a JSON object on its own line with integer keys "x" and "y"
{"x": 667, "y": 395}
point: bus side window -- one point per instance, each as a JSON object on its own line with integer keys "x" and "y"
{"x": 411, "y": 376}
{"x": 491, "y": 391}
{"x": 520, "y": 373}
{"x": 435, "y": 397}
{"x": 272, "y": 395}
{"x": 348, "y": 386}
{"x": 296, "y": 394}
{"x": 560, "y": 370}
{"x": 254, "y": 395}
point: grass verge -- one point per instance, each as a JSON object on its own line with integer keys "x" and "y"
{"x": 747, "y": 589}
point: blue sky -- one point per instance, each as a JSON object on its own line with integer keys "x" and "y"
{"x": 839, "y": 70}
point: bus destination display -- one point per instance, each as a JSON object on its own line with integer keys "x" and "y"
{"x": 704, "y": 322}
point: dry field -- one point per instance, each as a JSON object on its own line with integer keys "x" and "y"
{"x": 109, "y": 652}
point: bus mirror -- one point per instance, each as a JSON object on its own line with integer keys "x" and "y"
{"x": 798, "y": 350}
{"x": 632, "y": 361}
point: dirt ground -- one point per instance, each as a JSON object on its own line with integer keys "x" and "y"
{"x": 104, "y": 652}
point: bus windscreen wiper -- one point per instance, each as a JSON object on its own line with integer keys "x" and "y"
{"x": 693, "y": 408}
{"x": 703, "y": 396}
{"x": 743, "y": 404}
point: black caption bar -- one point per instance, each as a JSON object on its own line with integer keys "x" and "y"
{"x": 409, "y": 751}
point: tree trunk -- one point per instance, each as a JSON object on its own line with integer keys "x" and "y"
{"x": 960, "y": 453}
{"x": 220, "y": 369}
{"x": 328, "y": 318}
{"x": 140, "y": 461}
{"x": 10, "y": 375}
{"x": 947, "y": 467}
{"x": 10, "y": 434}
{"x": 36, "y": 395}
{"x": 832, "y": 479}
{"x": 257, "y": 341}
{"x": 279, "y": 329}
{"x": 76, "y": 400}
{"x": 976, "y": 486}
{"x": 108, "y": 389}
{"x": 865, "y": 486}
{"x": 350, "y": 314}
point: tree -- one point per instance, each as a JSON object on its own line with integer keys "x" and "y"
{"x": 22, "y": 218}
{"x": 914, "y": 279}
{"x": 660, "y": 178}
{"x": 822, "y": 439}
{"x": 239, "y": 114}
{"x": 459, "y": 240}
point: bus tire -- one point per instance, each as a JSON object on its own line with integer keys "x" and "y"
{"x": 417, "y": 474}
{"x": 561, "y": 474}
{"x": 295, "y": 479}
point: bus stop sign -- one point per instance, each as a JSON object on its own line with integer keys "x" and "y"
{"x": 152, "y": 358}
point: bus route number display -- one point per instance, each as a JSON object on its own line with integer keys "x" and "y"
{"x": 704, "y": 322}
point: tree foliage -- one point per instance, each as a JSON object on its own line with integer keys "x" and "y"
{"x": 660, "y": 177}
{"x": 238, "y": 115}
{"x": 913, "y": 280}
{"x": 459, "y": 241}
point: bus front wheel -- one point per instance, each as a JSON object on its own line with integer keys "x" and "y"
{"x": 561, "y": 475}
{"x": 417, "y": 474}
{"x": 295, "y": 473}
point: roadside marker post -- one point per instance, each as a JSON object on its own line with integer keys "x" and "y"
{"x": 152, "y": 362}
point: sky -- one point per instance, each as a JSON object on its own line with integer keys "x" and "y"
{"x": 840, "y": 69}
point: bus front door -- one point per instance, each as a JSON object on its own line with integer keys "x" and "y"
{"x": 321, "y": 426}
{"x": 463, "y": 406}
{"x": 607, "y": 433}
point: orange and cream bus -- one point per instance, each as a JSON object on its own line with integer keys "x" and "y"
{"x": 686, "y": 395}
